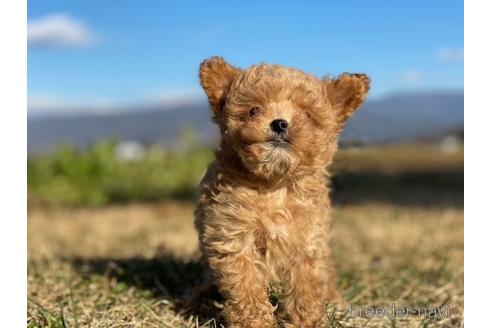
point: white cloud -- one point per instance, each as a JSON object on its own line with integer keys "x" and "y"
{"x": 50, "y": 103}
{"x": 174, "y": 97}
{"x": 58, "y": 30}
{"x": 412, "y": 77}
{"x": 451, "y": 54}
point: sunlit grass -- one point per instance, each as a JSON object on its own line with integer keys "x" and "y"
{"x": 136, "y": 265}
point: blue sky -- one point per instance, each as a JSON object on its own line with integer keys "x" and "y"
{"x": 128, "y": 52}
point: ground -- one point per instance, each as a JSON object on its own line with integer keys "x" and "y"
{"x": 397, "y": 240}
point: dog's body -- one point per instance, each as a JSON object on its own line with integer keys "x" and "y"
{"x": 263, "y": 213}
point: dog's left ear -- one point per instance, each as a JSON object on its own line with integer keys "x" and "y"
{"x": 216, "y": 77}
{"x": 346, "y": 93}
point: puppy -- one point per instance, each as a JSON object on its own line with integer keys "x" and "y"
{"x": 263, "y": 215}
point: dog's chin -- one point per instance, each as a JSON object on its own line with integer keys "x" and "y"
{"x": 279, "y": 144}
{"x": 270, "y": 160}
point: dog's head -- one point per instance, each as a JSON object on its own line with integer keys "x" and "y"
{"x": 279, "y": 121}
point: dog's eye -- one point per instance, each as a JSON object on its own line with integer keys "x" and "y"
{"x": 253, "y": 112}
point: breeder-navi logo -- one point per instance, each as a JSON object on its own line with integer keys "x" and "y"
{"x": 397, "y": 312}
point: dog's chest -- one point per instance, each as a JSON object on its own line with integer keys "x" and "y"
{"x": 280, "y": 219}
{"x": 275, "y": 215}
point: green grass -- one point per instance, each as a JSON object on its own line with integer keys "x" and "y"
{"x": 97, "y": 177}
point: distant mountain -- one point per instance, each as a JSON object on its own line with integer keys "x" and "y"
{"x": 146, "y": 125}
{"x": 401, "y": 117}
{"x": 395, "y": 118}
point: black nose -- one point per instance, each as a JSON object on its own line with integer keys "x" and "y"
{"x": 279, "y": 126}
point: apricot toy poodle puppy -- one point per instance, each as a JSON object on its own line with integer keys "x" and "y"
{"x": 263, "y": 213}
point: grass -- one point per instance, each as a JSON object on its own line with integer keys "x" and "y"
{"x": 98, "y": 176}
{"x": 136, "y": 265}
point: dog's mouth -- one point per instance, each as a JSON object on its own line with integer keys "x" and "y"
{"x": 279, "y": 142}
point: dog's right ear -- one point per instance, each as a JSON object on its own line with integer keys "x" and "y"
{"x": 216, "y": 77}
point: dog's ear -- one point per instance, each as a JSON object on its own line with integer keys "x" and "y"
{"x": 216, "y": 77}
{"x": 346, "y": 93}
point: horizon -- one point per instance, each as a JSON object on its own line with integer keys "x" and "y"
{"x": 199, "y": 100}
{"x": 398, "y": 117}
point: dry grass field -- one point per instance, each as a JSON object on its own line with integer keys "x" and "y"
{"x": 397, "y": 239}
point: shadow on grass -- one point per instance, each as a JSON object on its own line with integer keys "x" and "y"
{"x": 423, "y": 189}
{"x": 184, "y": 282}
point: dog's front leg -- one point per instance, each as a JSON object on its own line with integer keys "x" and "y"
{"x": 308, "y": 290}
{"x": 244, "y": 286}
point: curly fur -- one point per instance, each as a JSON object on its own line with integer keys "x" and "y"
{"x": 263, "y": 212}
